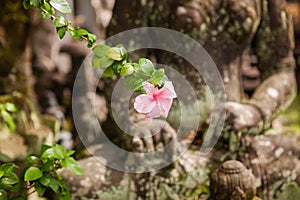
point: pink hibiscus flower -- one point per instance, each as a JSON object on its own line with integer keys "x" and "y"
{"x": 156, "y": 102}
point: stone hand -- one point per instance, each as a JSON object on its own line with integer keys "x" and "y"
{"x": 241, "y": 116}
{"x": 154, "y": 136}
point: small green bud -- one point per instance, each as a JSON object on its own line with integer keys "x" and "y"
{"x": 127, "y": 69}
{"x": 114, "y": 53}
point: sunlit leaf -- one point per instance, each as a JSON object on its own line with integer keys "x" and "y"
{"x": 78, "y": 33}
{"x": 59, "y": 21}
{"x": 114, "y": 53}
{"x": 72, "y": 165}
{"x": 32, "y": 159}
{"x": 11, "y": 107}
{"x": 9, "y": 120}
{"x": 32, "y": 173}
{"x": 61, "y": 5}
{"x": 91, "y": 39}
{"x": 127, "y": 69}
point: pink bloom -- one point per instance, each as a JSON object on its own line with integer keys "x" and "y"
{"x": 156, "y": 102}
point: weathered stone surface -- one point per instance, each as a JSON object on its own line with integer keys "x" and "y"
{"x": 8, "y": 150}
{"x": 272, "y": 158}
{"x": 96, "y": 176}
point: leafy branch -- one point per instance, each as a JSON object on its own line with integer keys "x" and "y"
{"x": 48, "y": 8}
{"x": 41, "y": 174}
{"x": 113, "y": 60}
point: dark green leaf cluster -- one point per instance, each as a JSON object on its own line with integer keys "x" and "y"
{"x": 113, "y": 60}
{"x": 40, "y": 174}
{"x": 43, "y": 172}
{"x": 5, "y": 112}
{"x": 9, "y": 182}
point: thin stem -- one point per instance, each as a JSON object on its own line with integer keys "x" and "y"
{"x": 68, "y": 28}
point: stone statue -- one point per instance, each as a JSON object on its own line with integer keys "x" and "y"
{"x": 232, "y": 181}
{"x": 229, "y": 30}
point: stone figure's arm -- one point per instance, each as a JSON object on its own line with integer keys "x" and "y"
{"x": 273, "y": 45}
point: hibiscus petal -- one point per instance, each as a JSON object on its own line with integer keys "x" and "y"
{"x": 165, "y": 106}
{"x": 155, "y": 112}
{"x": 149, "y": 88}
{"x": 167, "y": 91}
{"x": 144, "y": 103}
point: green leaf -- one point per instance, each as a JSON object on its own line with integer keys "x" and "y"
{"x": 55, "y": 152}
{"x": 59, "y": 21}
{"x": 102, "y": 62}
{"x": 78, "y": 33}
{"x": 146, "y": 66}
{"x": 44, "y": 147}
{"x": 72, "y": 165}
{"x": 32, "y": 173}
{"x": 127, "y": 69}
{"x": 1, "y": 173}
{"x": 36, "y": 3}
{"x": 3, "y": 195}
{"x": 100, "y": 50}
{"x": 69, "y": 153}
{"x": 9, "y": 120}
{"x": 60, "y": 150}
{"x": 45, "y": 15}
{"x": 46, "y": 6}
{"x": 9, "y": 179}
{"x": 49, "y": 181}
{"x": 10, "y": 107}
{"x": 26, "y": 4}
{"x": 134, "y": 82}
{"x": 19, "y": 197}
{"x": 8, "y": 168}
{"x": 123, "y": 51}
{"x": 15, "y": 188}
{"x": 48, "y": 165}
{"x": 39, "y": 188}
{"x": 114, "y": 53}
{"x": 61, "y": 5}
{"x": 117, "y": 66}
{"x": 61, "y": 32}
{"x": 157, "y": 76}
{"x": 91, "y": 39}
{"x": 32, "y": 159}
{"x": 109, "y": 72}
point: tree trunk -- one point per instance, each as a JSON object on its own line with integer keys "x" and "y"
{"x": 15, "y": 52}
